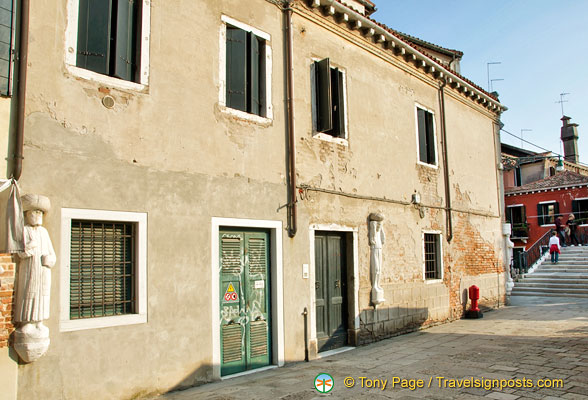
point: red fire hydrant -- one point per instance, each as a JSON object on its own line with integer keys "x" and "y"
{"x": 474, "y": 311}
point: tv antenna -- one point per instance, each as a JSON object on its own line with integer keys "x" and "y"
{"x": 561, "y": 101}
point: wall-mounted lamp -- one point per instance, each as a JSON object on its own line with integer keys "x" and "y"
{"x": 416, "y": 198}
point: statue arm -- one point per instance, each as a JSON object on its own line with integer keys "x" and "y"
{"x": 48, "y": 257}
{"x": 30, "y": 245}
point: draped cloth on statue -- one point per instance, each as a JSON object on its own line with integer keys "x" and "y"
{"x": 34, "y": 276}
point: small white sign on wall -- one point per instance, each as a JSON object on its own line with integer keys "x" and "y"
{"x": 305, "y": 273}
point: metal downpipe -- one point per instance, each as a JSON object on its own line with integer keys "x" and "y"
{"x": 449, "y": 219}
{"x": 21, "y": 91}
{"x": 292, "y": 214}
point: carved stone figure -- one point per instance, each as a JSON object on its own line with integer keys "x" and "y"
{"x": 508, "y": 245}
{"x": 34, "y": 281}
{"x": 377, "y": 239}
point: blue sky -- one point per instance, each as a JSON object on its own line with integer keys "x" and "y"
{"x": 542, "y": 46}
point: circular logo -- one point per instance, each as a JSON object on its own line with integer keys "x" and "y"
{"x": 324, "y": 383}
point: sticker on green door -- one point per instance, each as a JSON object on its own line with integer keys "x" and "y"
{"x": 231, "y": 296}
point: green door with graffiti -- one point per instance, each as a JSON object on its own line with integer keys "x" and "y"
{"x": 245, "y": 325}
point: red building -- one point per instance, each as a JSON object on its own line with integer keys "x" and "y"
{"x": 532, "y": 208}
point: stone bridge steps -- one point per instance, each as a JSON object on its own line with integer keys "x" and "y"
{"x": 567, "y": 278}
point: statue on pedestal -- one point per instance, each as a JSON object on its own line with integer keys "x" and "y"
{"x": 33, "y": 287}
{"x": 377, "y": 238}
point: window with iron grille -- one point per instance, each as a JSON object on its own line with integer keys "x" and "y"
{"x": 432, "y": 256}
{"x": 102, "y": 269}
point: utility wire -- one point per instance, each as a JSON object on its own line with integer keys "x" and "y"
{"x": 539, "y": 147}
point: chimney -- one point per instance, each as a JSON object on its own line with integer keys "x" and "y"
{"x": 569, "y": 137}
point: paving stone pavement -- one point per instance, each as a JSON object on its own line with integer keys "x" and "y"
{"x": 533, "y": 338}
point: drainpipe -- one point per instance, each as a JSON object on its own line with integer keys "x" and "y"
{"x": 292, "y": 215}
{"x": 22, "y": 80}
{"x": 446, "y": 164}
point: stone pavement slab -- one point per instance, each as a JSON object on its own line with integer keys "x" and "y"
{"x": 532, "y": 342}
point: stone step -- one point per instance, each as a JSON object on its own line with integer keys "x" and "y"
{"x": 518, "y": 289}
{"x": 562, "y": 260}
{"x": 560, "y": 268}
{"x": 554, "y": 279}
{"x": 547, "y": 294}
{"x": 552, "y": 285}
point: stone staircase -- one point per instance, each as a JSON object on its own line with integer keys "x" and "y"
{"x": 567, "y": 278}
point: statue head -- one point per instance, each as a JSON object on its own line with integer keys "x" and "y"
{"x": 34, "y": 206}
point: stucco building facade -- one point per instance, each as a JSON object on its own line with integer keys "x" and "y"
{"x": 208, "y": 206}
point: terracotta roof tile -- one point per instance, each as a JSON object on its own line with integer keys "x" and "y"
{"x": 562, "y": 179}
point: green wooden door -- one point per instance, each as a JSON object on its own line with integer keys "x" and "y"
{"x": 330, "y": 291}
{"x": 244, "y": 300}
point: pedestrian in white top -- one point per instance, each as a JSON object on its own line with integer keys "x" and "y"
{"x": 554, "y": 247}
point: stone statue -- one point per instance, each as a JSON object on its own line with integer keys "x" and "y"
{"x": 34, "y": 281}
{"x": 509, "y": 245}
{"x": 377, "y": 238}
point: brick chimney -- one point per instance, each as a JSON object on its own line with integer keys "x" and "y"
{"x": 569, "y": 137}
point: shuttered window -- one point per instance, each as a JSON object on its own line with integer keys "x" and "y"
{"x": 432, "y": 256}
{"x": 245, "y": 71}
{"x": 580, "y": 210}
{"x": 426, "y": 135}
{"x": 108, "y": 37}
{"x": 102, "y": 269}
{"x": 547, "y": 212}
{"x": 6, "y": 46}
{"x": 329, "y": 99}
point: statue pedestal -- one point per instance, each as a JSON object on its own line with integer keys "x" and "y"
{"x": 377, "y": 296}
{"x": 31, "y": 342}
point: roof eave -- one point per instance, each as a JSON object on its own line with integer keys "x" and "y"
{"x": 388, "y": 40}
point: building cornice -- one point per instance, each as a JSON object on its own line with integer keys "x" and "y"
{"x": 544, "y": 190}
{"x": 389, "y": 40}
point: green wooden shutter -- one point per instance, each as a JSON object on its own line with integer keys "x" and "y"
{"x": 430, "y": 138}
{"x": 555, "y": 213}
{"x": 323, "y": 95}
{"x": 236, "y": 68}
{"x": 341, "y": 104}
{"x": 540, "y": 217}
{"x": 6, "y": 43}
{"x": 254, "y": 75}
{"x": 508, "y": 214}
{"x": 576, "y": 212}
{"x": 257, "y": 299}
{"x": 126, "y": 29}
{"x": 320, "y": 285}
{"x": 524, "y": 215}
{"x": 94, "y": 31}
{"x": 422, "y": 128}
{"x": 335, "y": 99}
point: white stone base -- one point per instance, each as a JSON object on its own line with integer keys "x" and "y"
{"x": 31, "y": 342}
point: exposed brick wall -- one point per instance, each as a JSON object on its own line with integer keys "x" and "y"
{"x": 6, "y": 298}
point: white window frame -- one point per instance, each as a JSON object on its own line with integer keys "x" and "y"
{"x": 580, "y": 199}
{"x": 71, "y": 45}
{"x": 424, "y": 266}
{"x": 140, "y": 219}
{"x": 549, "y": 202}
{"x": 222, "y": 74}
{"x": 320, "y": 135}
{"x": 416, "y": 121}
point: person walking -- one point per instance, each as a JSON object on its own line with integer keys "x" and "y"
{"x": 572, "y": 225}
{"x": 554, "y": 247}
{"x": 560, "y": 231}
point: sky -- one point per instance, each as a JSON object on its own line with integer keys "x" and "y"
{"x": 542, "y": 47}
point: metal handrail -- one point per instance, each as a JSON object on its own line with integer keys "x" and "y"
{"x": 530, "y": 256}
